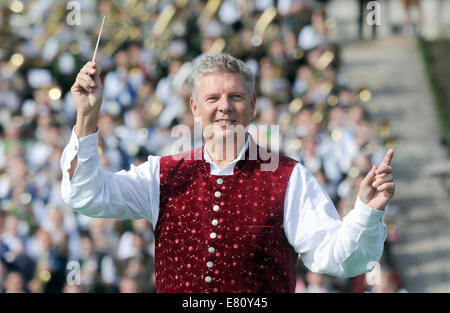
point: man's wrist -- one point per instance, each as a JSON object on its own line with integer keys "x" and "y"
{"x": 86, "y": 124}
{"x": 367, "y": 215}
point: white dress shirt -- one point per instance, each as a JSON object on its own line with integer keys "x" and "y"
{"x": 312, "y": 225}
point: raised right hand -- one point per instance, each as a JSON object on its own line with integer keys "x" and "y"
{"x": 87, "y": 91}
{"x": 378, "y": 187}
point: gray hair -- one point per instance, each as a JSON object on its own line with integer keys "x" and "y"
{"x": 222, "y": 63}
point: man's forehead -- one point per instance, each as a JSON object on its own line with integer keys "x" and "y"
{"x": 219, "y": 80}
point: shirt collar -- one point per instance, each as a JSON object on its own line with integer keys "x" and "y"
{"x": 228, "y": 169}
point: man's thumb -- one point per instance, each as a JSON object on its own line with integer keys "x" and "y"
{"x": 97, "y": 78}
{"x": 367, "y": 181}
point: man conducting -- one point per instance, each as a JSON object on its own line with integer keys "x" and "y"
{"x": 223, "y": 223}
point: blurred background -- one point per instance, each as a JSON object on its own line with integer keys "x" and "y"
{"x": 344, "y": 79}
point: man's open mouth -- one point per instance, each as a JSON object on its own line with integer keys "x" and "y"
{"x": 224, "y": 122}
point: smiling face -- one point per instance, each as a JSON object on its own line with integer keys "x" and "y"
{"x": 222, "y": 101}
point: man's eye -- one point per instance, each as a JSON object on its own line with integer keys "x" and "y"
{"x": 236, "y": 97}
{"x": 210, "y": 99}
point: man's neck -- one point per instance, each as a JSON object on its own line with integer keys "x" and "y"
{"x": 224, "y": 152}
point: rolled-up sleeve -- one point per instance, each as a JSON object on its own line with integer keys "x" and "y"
{"x": 327, "y": 244}
{"x": 92, "y": 191}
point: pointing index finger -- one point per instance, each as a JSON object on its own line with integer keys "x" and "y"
{"x": 388, "y": 157}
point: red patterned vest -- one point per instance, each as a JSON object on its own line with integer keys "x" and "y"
{"x": 222, "y": 233}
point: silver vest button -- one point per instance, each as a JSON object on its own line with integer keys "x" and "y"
{"x": 217, "y": 194}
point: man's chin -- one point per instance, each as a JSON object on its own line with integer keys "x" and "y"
{"x": 223, "y": 135}
{"x": 225, "y": 132}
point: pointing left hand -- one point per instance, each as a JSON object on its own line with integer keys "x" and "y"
{"x": 378, "y": 187}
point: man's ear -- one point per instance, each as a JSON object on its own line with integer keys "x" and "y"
{"x": 253, "y": 104}
{"x": 194, "y": 106}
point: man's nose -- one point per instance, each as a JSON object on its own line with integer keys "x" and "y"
{"x": 225, "y": 104}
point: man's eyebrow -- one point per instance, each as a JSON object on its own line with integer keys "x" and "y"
{"x": 211, "y": 94}
{"x": 217, "y": 93}
{"x": 237, "y": 91}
